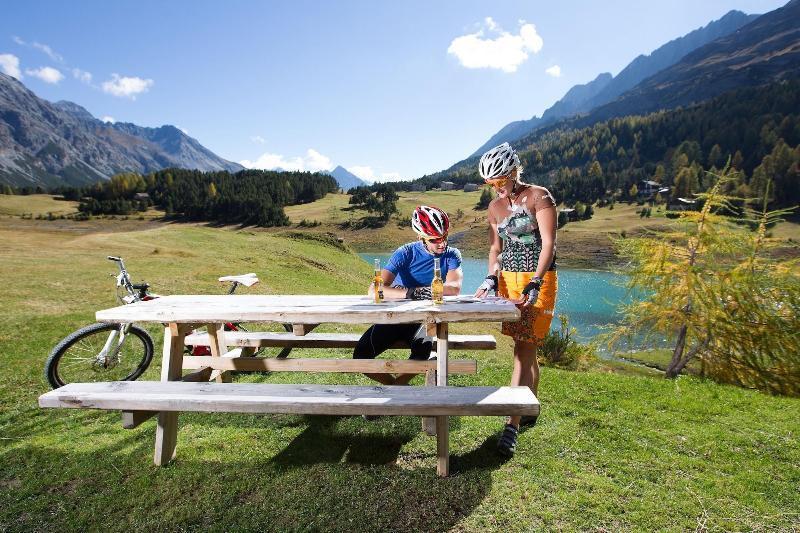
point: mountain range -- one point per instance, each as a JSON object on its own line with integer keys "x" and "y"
{"x": 54, "y": 144}
{"x": 748, "y": 51}
{"x": 605, "y": 87}
{"x": 345, "y": 178}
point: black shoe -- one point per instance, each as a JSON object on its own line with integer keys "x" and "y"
{"x": 527, "y": 421}
{"x": 508, "y": 441}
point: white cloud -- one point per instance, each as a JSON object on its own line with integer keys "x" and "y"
{"x": 554, "y": 71}
{"x": 10, "y": 65}
{"x": 313, "y": 161}
{"x": 109, "y": 119}
{"x": 82, "y": 75}
{"x": 366, "y": 173}
{"x": 258, "y": 139}
{"x": 505, "y": 52}
{"x": 46, "y": 74}
{"x": 126, "y": 86}
{"x": 52, "y": 54}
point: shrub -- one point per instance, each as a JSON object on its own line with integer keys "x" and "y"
{"x": 560, "y": 350}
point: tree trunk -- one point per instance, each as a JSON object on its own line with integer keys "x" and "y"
{"x": 673, "y": 369}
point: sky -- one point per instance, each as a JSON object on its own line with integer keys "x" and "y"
{"x": 388, "y": 90}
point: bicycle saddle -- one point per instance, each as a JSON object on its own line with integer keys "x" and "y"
{"x": 245, "y": 279}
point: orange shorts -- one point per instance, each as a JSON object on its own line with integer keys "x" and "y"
{"x": 535, "y": 321}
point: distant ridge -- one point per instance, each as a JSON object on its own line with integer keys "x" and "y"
{"x": 55, "y": 144}
{"x": 605, "y": 88}
{"x": 345, "y": 178}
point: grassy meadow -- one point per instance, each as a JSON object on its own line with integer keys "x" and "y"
{"x": 616, "y": 448}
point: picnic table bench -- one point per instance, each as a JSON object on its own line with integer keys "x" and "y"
{"x": 192, "y": 392}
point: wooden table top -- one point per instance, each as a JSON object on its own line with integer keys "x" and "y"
{"x": 309, "y": 309}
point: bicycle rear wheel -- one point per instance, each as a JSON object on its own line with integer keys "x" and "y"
{"x": 94, "y": 353}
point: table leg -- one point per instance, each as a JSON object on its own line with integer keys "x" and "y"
{"x": 429, "y": 422}
{"x": 171, "y": 369}
{"x": 216, "y": 338}
{"x": 442, "y": 422}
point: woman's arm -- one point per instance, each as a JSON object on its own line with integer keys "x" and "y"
{"x": 547, "y": 221}
{"x": 495, "y": 249}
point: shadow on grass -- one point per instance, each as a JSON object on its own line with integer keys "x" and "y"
{"x": 337, "y": 473}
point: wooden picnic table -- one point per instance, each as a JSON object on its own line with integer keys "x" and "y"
{"x": 182, "y": 314}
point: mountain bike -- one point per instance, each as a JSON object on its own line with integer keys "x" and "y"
{"x": 121, "y": 352}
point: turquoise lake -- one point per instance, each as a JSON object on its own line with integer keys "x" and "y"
{"x": 587, "y": 297}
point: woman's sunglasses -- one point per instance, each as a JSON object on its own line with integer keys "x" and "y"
{"x": 497, "y": 182}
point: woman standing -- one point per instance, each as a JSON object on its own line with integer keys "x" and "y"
{"x": 522, "y": 267}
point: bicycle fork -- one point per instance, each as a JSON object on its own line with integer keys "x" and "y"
{"x": 109, "y": 354}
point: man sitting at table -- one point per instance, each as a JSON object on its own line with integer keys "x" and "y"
{"x": 408, "y": 274}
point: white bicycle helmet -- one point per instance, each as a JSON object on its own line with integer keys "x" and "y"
{"x": 430, "y": 222}
{"x": 498, "y": 161}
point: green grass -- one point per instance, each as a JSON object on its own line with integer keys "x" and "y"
{"x": 616, "y": 448}
{"x": 35, "y": 204}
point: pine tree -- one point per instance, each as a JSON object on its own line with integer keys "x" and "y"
{"x": 710, "y": 286}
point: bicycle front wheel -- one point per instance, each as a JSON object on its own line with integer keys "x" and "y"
{"x": 100, "y": 352}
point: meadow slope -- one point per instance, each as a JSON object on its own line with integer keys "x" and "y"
{"x": 616, "y": 448}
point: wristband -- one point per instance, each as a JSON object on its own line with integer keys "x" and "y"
{"x": 534, "y": 285}
{"x": 489, "y": 283}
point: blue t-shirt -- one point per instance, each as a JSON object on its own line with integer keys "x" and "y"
{"x": 412, "y": 264}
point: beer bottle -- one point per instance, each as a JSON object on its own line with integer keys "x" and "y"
{"x": 377, "y": 282}
{"x": 437, "y": 285}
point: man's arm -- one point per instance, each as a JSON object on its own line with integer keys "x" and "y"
{"x": 452, "y": 283}
{"x": 389, "y": 292}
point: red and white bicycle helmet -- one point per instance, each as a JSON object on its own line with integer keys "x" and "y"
{"x": 498, "y": 162}
{"x": 430, "y": 222}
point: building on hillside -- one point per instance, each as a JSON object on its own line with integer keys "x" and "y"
{"x": 571, "y": 215}
{"x": 470, "y": 187}
{"x": 141, "y": 196}
{"x": 683, "y": 204}
{"x": 648, "y": 188}
{"x": 447, "y": 185}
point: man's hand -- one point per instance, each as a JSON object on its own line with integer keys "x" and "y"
{"x": 489, "y": 284}
{"x": 531, "y": 292}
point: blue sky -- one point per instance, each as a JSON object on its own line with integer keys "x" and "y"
{"x": 386, "y": 89}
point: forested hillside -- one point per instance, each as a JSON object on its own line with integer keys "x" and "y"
{"x": 757, "y": 128}
{"x": 251, "y": 197}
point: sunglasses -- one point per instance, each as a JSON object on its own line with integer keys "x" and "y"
{"x": 436, "y": 240}
{"x": 499, "y": 182}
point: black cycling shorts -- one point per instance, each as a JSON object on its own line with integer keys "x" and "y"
{"x": 380, "y": 337}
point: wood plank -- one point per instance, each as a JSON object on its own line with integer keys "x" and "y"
{"x": 270, "y": 339}
{"x": 442, "y": 422}
{"x": 269, "y": 364}
{"x": 429, "y": 422}
{"x": 167, "y": 426}
{"x": 307, "y": 309}
{"x": 133, "y": 419}
{"x": 203, "y": 374}
{"x": 302, "y": 329}
{"x": 442, "y": 445}
{"x": 219, "y": 348}
{"x": 175, "y": 396}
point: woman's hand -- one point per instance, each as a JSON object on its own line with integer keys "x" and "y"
{"x": 531, "y": 292}
{"x": 489, "y": 284}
